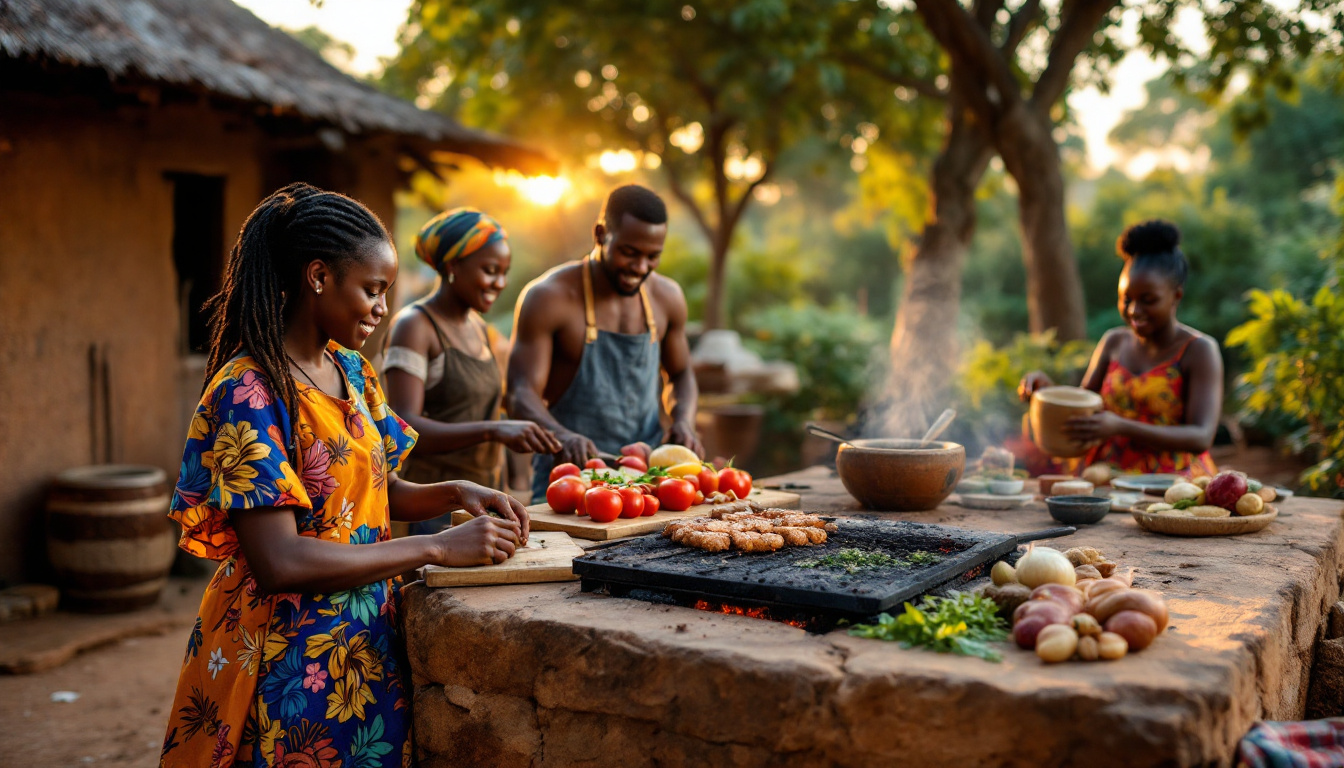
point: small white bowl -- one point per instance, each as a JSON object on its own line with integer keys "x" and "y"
{"x": 1005, "y": 487}
{"x": 1071, "y": 488}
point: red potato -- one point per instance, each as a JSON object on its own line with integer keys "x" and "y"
{"x": 1225, "y": 489}
{"x": 1026, "y": 630}
{"x": 1070, "y": 596}
{"x": 1138, "y": 629}
{"x": 1145, "y": 601}
{"x": 1056, "y": 611}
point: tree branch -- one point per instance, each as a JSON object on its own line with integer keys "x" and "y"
{"x": 674, "y": 180}
{"x": 916, "y": 84}
{"x": 1018, "y": 27}
{"x": 968, "y": 43}
{"x": 741, "y": 205}
{"x": 1071, "y": 39}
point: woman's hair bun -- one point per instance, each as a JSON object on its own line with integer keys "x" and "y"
{"x": 1149, "y": 237}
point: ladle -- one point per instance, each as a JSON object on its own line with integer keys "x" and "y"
{"x": 938, "y": 426}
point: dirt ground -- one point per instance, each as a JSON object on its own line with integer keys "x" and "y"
{"x": 125, "y": 691}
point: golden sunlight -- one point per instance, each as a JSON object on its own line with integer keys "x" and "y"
{"x": 538, "y": 190}
{"x": 619, "y": 161}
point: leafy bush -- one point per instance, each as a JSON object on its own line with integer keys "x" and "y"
{"x": 1297, "y": 353}
{"x": 988, "y": 408}
{"x": 835, "y": 349}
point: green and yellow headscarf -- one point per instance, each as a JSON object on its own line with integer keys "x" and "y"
{"x": 456, "y": 234}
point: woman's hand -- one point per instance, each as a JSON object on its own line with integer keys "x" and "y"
{"x": 480, "y": 501}
{"x": 1094, "y": 428}
{"x": 480, "y": 541}
{"x": 1032, "y": 382}
{"x": 524, "y": 437}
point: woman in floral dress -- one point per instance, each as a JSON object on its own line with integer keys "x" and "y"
{"x": 1161, "y": 382}
{"x": 289, "y": 480}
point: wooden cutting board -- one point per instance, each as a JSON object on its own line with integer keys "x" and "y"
{"x": 545, "y": 519}
{"x": 548, "y": 556}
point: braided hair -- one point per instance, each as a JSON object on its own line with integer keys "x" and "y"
{"x": 287, "y": 231}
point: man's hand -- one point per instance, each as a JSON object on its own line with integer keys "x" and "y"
{"x": 524, "y": 437}
{"x": 479, "y": 501}
{"x": 482, "y": 541}
{"x": 575, "y": 449}
{"x": 682, "y": 433}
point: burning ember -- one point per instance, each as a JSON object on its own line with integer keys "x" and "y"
{"x": 755, "y": 613}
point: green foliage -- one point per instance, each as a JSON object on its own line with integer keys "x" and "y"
{"x": 835, "y": 350}
{"x": 988, "y": 408}
{"x": 964, "y": 624}
{"x": 853, "y": 560}
{"x": 1296, "y": 350}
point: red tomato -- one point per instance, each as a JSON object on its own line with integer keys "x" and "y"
{"x": 650, "y": 504}
{"x": 603, "y": 504}
{"x": 632, "y": 502}
{"x": 699, "y": 498}
{"x": 694, "y": 480}
{"x": 735, "y": 480}
{"x": 564, "y": 494}
{"x": 633, "y": 462}
{"x": 595, "y": 464}
{"x": 642, "y": 450}
{"x": 709, "y": 480}
{"x": 676, "y": 495}
{"x": 564, "y": 470}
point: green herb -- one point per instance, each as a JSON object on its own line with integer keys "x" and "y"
{"x": 854, "y": 560}
{"x": 964, "y": 624}
{"x": 1184, "y": 504}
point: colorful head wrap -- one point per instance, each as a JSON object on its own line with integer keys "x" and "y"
{"x": 456, "y": 234}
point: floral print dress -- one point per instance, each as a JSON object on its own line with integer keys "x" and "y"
{"x": 290, "y": 679}
{"x": 1156, "y": 396}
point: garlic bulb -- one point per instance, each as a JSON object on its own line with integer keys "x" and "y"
{"x": 1042, "y": 565}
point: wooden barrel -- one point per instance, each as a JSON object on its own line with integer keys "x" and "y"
{"x": 109, "y": 537}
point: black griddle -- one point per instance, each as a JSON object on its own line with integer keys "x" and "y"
{"x": 655, "y": 562}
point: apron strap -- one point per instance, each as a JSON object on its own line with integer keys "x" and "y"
{"x": 590, "y": 312}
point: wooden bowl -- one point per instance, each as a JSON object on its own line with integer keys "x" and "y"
{"x": 898, "y": 475}
{"x": 1051, "y": 408}
{"x": 1046, "y": 481}
{"x": 1175, "y": 525}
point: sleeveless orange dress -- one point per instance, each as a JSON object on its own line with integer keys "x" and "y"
{"x": 1155, "y": 397}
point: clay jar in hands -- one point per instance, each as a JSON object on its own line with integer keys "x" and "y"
{"x": 1051, "y": 408}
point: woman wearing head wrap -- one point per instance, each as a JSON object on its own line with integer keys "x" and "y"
{"x": 443, "y": 362}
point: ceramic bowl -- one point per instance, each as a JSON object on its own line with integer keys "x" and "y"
{"x": 1005, "y": 487}
{"x": 973, "y": 486}
{"x": 899, "y": 475}
{"x": 1071, "y": 487}
{"x": 1051, "y": 408}
{"x": 1078, "y": 510}
{"x": 1048, "y": 481}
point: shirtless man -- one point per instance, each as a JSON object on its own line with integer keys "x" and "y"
{"x": 592, "y": 339}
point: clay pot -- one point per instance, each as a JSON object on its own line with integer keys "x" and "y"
{"x": 1051, "y": 408}
{"x": 898, "y": 475}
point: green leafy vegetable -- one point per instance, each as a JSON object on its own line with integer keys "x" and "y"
{"x": 964, "y": 624}
{"x": 1184, "y": 504}
{"x": 854, "y": 560}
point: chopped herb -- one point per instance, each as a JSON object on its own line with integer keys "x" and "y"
{"x": 854, "y": 560}
{"x": 964, "y": 624}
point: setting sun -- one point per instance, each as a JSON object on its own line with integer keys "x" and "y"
{"x": 538, "y": 190}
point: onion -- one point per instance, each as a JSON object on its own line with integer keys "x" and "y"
{"x": 1042, "y": 565}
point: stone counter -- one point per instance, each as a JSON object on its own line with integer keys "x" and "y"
{"x": 543, "y": 675}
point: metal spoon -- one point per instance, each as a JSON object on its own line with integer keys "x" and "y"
{"x": 829, "y": 435}
{"x": 938, "y": 426}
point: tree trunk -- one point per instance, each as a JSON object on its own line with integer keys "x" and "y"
{"x": 714, "y": 295}
{"x": 924, "y": 352}
{"x": 1054, "y": 289}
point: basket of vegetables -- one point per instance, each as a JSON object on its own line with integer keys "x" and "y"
{"x": 1227, "y": 504}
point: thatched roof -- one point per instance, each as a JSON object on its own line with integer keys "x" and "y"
{"x": 221, "y": 48}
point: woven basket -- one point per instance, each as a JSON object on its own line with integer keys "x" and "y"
{"x": 1173, "y": 525}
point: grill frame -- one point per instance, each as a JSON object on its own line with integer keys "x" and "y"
{"x": 635, "y": 564}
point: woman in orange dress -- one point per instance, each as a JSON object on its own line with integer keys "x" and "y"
{"x": 289, "y": 480}
{"x": 1161, "y": 382}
